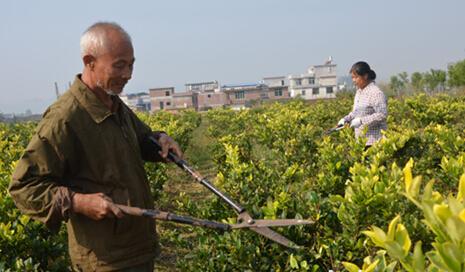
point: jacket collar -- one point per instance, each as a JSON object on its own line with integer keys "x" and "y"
{"x": 89, "y": 101}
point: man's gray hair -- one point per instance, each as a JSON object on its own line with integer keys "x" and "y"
{"x": 94, "y": 40}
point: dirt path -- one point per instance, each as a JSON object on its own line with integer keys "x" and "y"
{"x": 197, "y": 154}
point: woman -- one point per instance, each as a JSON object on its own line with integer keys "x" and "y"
{"x": 370, "y": 105}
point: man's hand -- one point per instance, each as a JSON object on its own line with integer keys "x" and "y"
{"x": 96, "y": 206}
{"x": 168, "y": 144}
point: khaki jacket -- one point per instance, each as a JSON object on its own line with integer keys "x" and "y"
{"x": 81, "y": 146}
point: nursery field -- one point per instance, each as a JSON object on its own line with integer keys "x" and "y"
{"x": 398, "y": 206}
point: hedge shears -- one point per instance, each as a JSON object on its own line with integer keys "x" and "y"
{"x": 337, "y": 128}
{"x": 244, "y": 219}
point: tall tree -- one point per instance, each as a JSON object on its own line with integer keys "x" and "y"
{"x": 457, "y": 74}
{"x": 404, "y": 78}
{"x": 417, "y": 82}
{"x": 435, "y": 79}
{"x": 396, "y": 84}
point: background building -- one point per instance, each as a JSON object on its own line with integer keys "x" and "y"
{"x": 206, "y": 95}
{"x": 161, "y": 98}
{"x": 319, "y": 82}
{"x": 278, "y": 87}
{"x": 137, "y": 101}
{"x": 239, "y": 96}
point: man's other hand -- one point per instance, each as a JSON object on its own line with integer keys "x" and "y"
{"x": 96, "y": 206}
{"x": 168, "y": 144}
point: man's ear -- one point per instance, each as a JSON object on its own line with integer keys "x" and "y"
{"x": 89, "y": 61}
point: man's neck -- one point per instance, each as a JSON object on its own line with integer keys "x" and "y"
{"x": 105, "y": 98}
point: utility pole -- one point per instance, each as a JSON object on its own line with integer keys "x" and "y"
{"x": 57, "y": 93}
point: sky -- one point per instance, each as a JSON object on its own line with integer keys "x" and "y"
{"x": 240, "y": 41}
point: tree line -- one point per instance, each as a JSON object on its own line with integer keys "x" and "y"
{"x": 434, "y": 80}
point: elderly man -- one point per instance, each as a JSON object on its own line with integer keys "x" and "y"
{"x": 87, "y": 154}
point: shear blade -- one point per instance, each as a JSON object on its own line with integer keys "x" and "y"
{"x": 246, "y": 221}
{"x": 272, "y": 223}
{"x": 274, "y": 236}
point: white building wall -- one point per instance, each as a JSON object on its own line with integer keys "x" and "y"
{"x": 276, "y": 81}
{"x": 319, "y": 76}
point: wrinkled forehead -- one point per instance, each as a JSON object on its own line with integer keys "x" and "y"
{"x": 120, "y": 51}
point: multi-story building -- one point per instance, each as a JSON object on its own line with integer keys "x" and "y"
{"x": 319, "y": 82}
{"x": 166, "y": 99}
{"x": 209, "y": 100}
{"x": 161, "y": 98}
{"x": 244, "y": 95}
{"x": 137, "y": 101}
{"x": 278, "y": 87}
{"x": 183, "y": 100}
{"x": 199, "y": 87}
{"x": 206, "y": 95}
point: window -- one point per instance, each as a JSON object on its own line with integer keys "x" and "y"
{"x": 167, "y": 93}
{"x": 315, "y": 91}
{"x": 311, "y": 80}
{"x": 329, "y": 90}
{"x": 168, "y": 103}
{"x": 298, "y": 82}
{"x": 278, "y": 92}
{"x": 209, "y": 95}
{"x": 303, "y": 92}
{"x": 264, "y": 96}
{"x": 240, "y": 95}
{"x": 282, "y": 82}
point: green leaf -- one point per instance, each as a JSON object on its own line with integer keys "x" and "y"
{"x": 403, "y": 238}
{"x": 418, "y": 259}
{"x": 455, "y": 228}
{"x": 436, "y": 260}
{"x": 391, "y": 267}
{"x": 392, "y": 228}
{"x": 371, "y": 267}
{"x": 351, "y": 267}
{"x": 448, "y": 255}
{"x": 293, "y": 262}
{"x": 394, "y": 250}
{"x": 461, "y": 192}
{"x": 377, "y": 236}
{"x": 408, "y": 175}
{"x": 442, "y": 211}
{"x": 428, "y": 190}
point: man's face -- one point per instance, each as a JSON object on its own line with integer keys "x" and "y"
{"x": 113, "y": 68}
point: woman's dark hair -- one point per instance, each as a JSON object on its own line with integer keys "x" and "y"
{"x": 362, "y": 68}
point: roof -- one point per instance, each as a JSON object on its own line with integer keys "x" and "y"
{"x": 275, "y": 77}
{"x": 324, "y": 65}
{"x": 202, "y": 83}
{"x": 161, "y": 89}
{"x": 241, "y": 85}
